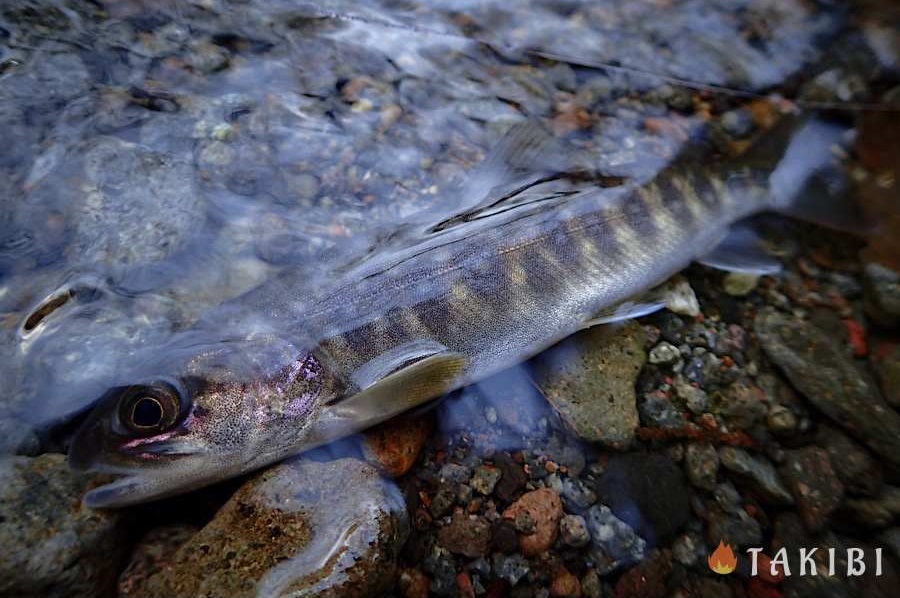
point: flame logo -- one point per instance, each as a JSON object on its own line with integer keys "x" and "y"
{"x": 722, "y": 559}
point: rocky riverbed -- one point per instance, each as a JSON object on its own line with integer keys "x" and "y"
{"x": 163, "y": 161}
{"x": 765, "y": 421}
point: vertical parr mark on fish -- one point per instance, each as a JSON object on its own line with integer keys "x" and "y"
{"x": 722, "y": 193}
{"x": 651, "y": 196}
{"x": 584, "y": 245}
{"x": 618, "y": 223}
{"x": 687, "y": 195}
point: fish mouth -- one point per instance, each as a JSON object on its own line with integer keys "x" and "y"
{"x": 122, "y": 492}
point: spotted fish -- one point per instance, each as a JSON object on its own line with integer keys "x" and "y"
{"x": 461, "y": 303}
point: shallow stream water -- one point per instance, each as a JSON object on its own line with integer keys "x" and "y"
{"x": 161, "y": 159}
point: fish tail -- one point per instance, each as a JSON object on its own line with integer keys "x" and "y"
{"x": 807, "y": 182}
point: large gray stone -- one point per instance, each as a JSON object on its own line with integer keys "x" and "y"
{"x": 828, "y": 379}
{"x": 302, "y": 528}
{"x": 53, "y": 546}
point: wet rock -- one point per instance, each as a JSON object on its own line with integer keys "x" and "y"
{"x": 647, "y": 580}
{"x": 781, "y": 420}
{"x": 742, "y": 404}
{"x": 590, "y": 378}
{"x": 736, "y": 525}
{"x": 440, "y": 566}
{"x": 591, "y": 586}
{"x": 887, "y": 367}
{"x": 544, "y": 508}
{"x": 485, "y": 479}
{"x": 573, "y": 531}
{"x": 455, "y": 474}
{"x": 18, "y": 438}
{"x": 688, "y": 549}
{"x": 394, "y": 445}
{"x": 874, "y": 513}
{"x": 442, "y": 501}
{"x": 468, "y": 535}
{"x": 52, "y": 546}
{"x": 615, "y": 543}
{"x": 890, "y": 538}
{"x": 511, "y": 567}
{"x": 727, "y": 518}
{"x": 828, "y": 379}
{"x": 512, "y": 479}
{"x": 413, "y": 583}
{"x": 657, "y": 411}
{"x": 702, "y": 464}
{"x": 630, "y": 488}
{"x": 664, "y": 354}
{"x": 791, "y": 534}
{"x": 858, "y": 470}
{"x": 575, "y": 494}
{"x": 505, "y": 537}
{"x": 152, "y": 554}
{"x": 565, "y": 585}
{"x": 694, "y": 398}
{"x": 882, "y": 293}
{"x": 271, "y": 536}
{"x": 740, "y": 284}
{"x": 757, "y": 473}
{"x": 814, "y": 484}
{"x": 143, "y": 207}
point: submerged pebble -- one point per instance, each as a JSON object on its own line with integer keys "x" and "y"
{"x": 590, "y": 379}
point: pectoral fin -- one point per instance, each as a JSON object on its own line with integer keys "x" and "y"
{"x": 402, "y": 390}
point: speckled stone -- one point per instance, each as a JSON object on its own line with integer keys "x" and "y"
{"x": 271, "y": 536}
{"x": 827, "y": 377}
{"x": 590, "y": 380}
{"x": 52, "y": 545}
{"x": 814, "y": 484}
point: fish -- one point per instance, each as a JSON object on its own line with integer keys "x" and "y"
{"x": 485, "y": 290}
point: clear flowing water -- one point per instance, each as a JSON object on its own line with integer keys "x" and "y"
{"x": 163, "y": 158}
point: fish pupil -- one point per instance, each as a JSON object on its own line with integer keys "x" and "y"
{"x": 147, "y": 412}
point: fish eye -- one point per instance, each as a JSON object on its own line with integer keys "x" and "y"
{"x": 146, "y": 410}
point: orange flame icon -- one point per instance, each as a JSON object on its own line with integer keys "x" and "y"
{"x": 722, "y": 559}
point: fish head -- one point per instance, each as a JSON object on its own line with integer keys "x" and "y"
{"x": 232, "y": 408}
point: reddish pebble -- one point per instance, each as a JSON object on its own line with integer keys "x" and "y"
{"x": 857, "y": 337}
{"x": 464, "y": 583}
{"x": 394, "y": 445}
{"x": 545, "y": 509}
{"x": 565, "y": 585}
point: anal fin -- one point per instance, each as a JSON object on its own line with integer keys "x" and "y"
{"x": 675, "y": 294}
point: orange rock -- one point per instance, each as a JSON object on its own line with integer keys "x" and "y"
{"x": 565, "y": 585}
{"x": 545, "y": 508}
{"x": 393, "y": 446}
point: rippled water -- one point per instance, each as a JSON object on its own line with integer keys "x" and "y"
{"x": 163, "y": 158}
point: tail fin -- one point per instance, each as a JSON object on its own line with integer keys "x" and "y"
{"x": 807, "y": 183}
